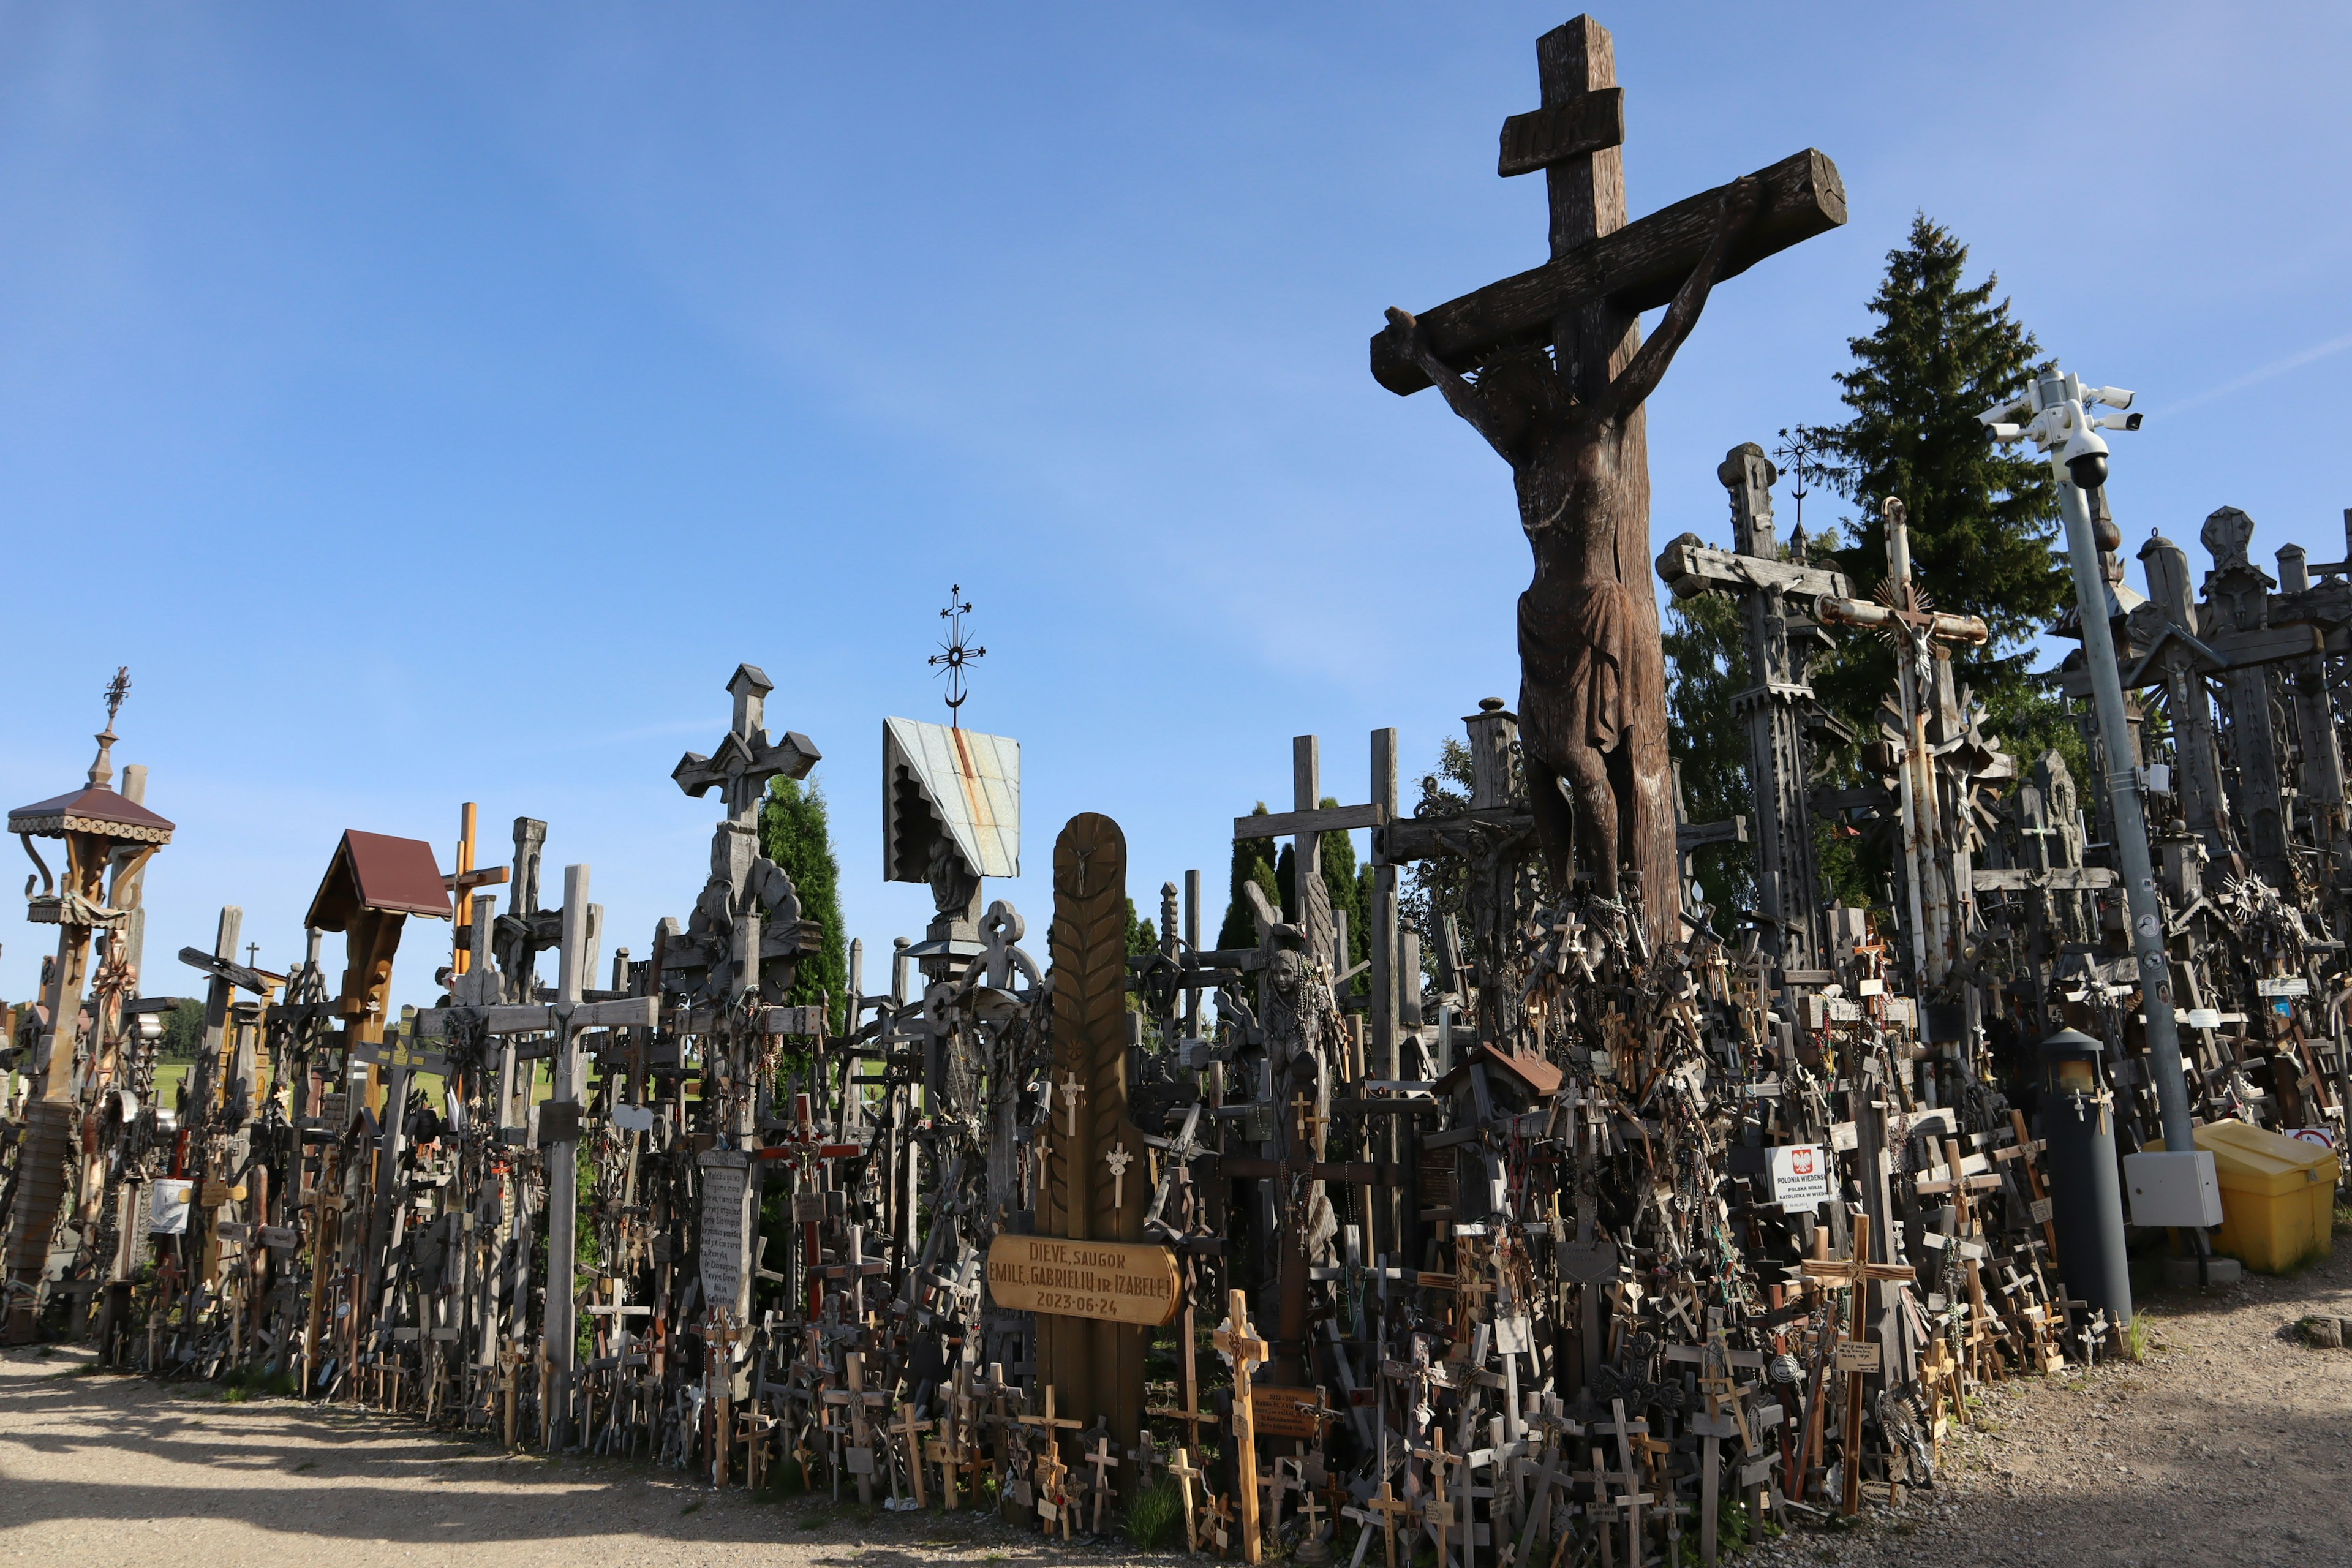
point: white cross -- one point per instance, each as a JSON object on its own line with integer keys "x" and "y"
{"x": 1118, "y": 1160}
{"x": 1071, "y": 1090}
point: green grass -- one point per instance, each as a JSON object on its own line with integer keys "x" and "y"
{"x": 1156, "y": 1521}
{"x": 784, "y": 1480}
{"x": 240, "y": 1384}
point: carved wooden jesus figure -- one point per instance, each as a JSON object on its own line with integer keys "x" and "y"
{"x": 1580, "y": 467}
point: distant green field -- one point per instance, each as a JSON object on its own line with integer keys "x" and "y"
{"x": 171, "y": 1075}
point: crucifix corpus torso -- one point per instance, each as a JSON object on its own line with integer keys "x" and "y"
{"x": 1549, "y": 367}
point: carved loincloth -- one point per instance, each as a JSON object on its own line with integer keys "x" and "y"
{"x": 1572, "y": 668}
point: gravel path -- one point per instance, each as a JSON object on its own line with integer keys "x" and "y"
{"x": 2230, "y": 1445}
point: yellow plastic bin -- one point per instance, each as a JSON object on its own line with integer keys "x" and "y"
{"x": 2278, "y": 1195}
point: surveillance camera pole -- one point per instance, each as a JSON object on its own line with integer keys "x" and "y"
{"x": 2061, "y": 426}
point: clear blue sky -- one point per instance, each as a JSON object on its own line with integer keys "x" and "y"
{"x": 434, "y": 403}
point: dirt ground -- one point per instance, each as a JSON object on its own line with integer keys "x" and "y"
{"x": 2230, "y": 1445}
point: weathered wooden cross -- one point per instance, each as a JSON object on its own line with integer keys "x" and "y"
{"x": 559, "y": 1124}
{"x": 911, "y": 1431}
{"x": 1935, "y": 856}
{"x": 1248, "y": 1351}
{"x": 1186, "y": 1472}
{"x": 1778, "y": 704}
{"x": 1388, "y": 1506}
{"x": 1854, "y": 1274}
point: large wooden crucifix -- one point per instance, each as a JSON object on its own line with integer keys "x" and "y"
{"x": 1549, "y": 367}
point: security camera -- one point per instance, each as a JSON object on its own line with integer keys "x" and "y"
{"x": 2117, "y": 421}
{"x": 2113, "y": 396}
{"x": 2085, "y": 453}
{"x": 2086, "y": 457}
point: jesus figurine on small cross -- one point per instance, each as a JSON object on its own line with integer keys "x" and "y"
{"x": 1118, "y": 1160}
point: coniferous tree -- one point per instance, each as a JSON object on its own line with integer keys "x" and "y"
{"x": 1708, "y": 665}
{"x": 1433, "y": 888}
{"x": 1252, "y": 862}
{"x": 1142, "y": 935}
{"x": 1983, "y": 518}
{"x": 1340, "y": 880}
{"x": 795, "y": 833}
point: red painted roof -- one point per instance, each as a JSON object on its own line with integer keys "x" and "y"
{"x": 91, "y": 802}
{"x": 1537, "y": 1074}
{"x": 377, "y": 871}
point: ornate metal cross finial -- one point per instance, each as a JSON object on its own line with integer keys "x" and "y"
{"x": 1803, "y": 452}
{"x": 101, "y": 767}
{"x": 955, "y": 654}
{"x": 116, "y": 690}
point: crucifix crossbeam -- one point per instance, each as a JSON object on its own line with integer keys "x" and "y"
{"x": 1637, "y": 267}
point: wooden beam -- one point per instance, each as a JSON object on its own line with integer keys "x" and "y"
{"x": 2238, "y": 650}
{"x": 1690, "y": 835}
{"x": 1286, "y": 823}
{"x": 1411, "y": 838}
{"x": 2058, "y": 878}
{"x": 1589, "y": 123}
{"x": 1638, "y": 268}
{"x": 1690, "y": 568}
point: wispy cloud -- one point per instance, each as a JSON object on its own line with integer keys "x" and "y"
{"x": 2256, "y": 377}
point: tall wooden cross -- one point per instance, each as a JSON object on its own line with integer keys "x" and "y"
{"x": 1438, "y": 1513}
{"x": 1778, "y": 704}
{"x": 566, "y": 1017}
{"x": 803, "y": 1142}
{"x": 1935, "y": 837}
{"x": 1298, "y": 1166}
{"x": 1388, "y": 1505}
{"x": 1248, "y": 1351}
{"x": 1854, "y": 1274}
{"x": 1562, "y": 375}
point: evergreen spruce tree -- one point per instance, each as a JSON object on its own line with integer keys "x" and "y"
{"x": 1340, "y": 880}
{"x": 1252, "y": 862}
{"x": 1433, "y": 888}
{"x": 1983, "y": 518}
{"x": 795, "y": 833}
{"x": 1142, "y": 935}
{"x": 1707, "y": 663}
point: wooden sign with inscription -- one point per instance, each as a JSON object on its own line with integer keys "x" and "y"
{"x": 1276, "y": 1411}
{"x": 1856, "y": 1355}
{"x": 1114, "y": 1281}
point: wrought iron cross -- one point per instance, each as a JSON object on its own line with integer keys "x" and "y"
{"x": 956, "y": 655}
